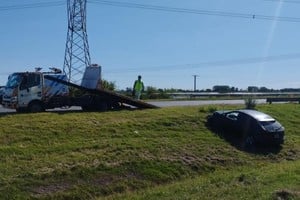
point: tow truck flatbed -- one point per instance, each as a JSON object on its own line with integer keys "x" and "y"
{"x": 107, "y": 94}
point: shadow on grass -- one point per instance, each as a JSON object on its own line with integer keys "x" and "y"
{"x": 4, "y": 114}
{"x": 66, "y": 111}
{"x": 236, "y": 140}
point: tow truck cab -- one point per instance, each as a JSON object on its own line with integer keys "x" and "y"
{"x": 31, "y": 91}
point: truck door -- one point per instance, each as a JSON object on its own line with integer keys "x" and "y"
{"x": 30, "y": 89}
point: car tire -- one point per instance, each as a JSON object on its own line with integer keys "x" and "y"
{"x": 21, "y": 110}
{"x": 249, "y": 140}
{"x": 35, "y": 107}
{"x": 101, "y": 106}
{"x": 249, "y": 143}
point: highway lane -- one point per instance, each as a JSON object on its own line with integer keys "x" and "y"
{"x": 202, "y": 102}
{"x": 166, "y": 104}
{"x": 4, "y": 110}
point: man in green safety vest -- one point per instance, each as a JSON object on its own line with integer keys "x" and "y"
{"x": 138, "y": 88}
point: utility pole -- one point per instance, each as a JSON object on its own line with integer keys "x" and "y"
{"x": 195, "y": 82}
{"x": 77, "y": 56}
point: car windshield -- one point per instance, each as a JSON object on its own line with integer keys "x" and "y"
{"x": 271, "y": 125}
{"x": 13, "y": 81}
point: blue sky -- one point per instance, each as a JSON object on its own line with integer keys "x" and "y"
{"x": 166, "y": 48}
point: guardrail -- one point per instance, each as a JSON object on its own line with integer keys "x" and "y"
{"x": 282, "y": 99}
{"x": 234, "y": 94}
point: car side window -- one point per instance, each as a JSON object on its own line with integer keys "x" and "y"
{"x": 245, "y": 121}
{"x": 232, "y": 116}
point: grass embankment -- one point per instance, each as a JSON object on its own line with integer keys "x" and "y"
{"x": 150, "y": 154}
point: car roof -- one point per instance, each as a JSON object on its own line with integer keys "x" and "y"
{"x": 257, "y": 115}
{"x": 223, "y": 111}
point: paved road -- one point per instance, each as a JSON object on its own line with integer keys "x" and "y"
{"x": 4, "y": 110}
{"x": 169, "y": 104}
{"x": 201, "y": 102}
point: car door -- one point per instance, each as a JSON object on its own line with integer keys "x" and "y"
{"x": 30, "y": 89}
{"x": 245, "y": 122}
{"x": 231, "y": 121}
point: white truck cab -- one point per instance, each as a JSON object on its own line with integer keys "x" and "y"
{"x": 31, "y": 91}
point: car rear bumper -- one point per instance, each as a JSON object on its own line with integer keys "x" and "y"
{"x": 271, "y": 138}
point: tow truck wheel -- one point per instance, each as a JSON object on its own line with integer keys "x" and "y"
{"x": 21, "y": 110}
{"x": 102, "y": 106}
{"x": 35, "y": 107}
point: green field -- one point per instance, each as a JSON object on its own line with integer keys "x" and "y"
{"x": 165, "y": 153}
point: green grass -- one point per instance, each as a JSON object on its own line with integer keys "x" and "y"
{"x": 163, "y": 153}
{"x": 269, "y": 182}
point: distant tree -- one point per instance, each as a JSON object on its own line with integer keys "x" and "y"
{"x": 250, "y": 103}
{"x": 151, "y": 92}
{"x": 154, "y": 93}
{"x": 108, "y": 85}
{"x": 253, "y": 89}
{"x": 221, "y": 88}
{"x": 128, "y": 89}
{"x": 264, "y": 89}
{"x": 171, "y": 90}
{"x": 290, "y": 90}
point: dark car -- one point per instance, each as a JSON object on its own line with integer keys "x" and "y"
{"x": 252, "y": 126}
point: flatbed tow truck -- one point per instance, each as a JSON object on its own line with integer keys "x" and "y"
{"x": 38, "y": 91}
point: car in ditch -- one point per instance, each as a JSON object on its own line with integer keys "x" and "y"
{"x": 252, "y": 126}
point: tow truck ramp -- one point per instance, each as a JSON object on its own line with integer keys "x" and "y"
{"x": 106, "y": 94}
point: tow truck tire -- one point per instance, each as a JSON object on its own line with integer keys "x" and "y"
{"x": 100, "y": 104}
{"x": 21, "y": 110}
{"x": 102, "y": 107}
{"x": 35, "y": 107}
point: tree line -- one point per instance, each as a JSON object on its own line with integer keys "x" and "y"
{"x": 158, "y": 93}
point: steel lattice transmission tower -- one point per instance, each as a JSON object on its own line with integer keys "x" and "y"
{"x": 77, "y": 56}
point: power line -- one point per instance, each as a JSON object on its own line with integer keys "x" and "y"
{"x": 193, "y": 11}
{"x": 32, "y": 5}
{"x": 223, "y": 63}
{"x": 160, "y": 8}
{"x": 285, "y": 1}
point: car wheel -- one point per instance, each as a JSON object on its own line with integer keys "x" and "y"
{"x": 36, "y": 107}
{"x": 101, "y": 106}
{"x": 249, "y": 140}
{"x": 248, "y": 143}
{"x": 21, "y": 110}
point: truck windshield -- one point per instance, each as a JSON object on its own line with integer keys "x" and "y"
{"x": 13, "y": 81}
